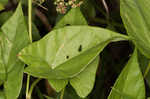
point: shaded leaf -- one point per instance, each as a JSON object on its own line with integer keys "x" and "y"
{"x": 73, "y": 17}
{"x": 2, "y": 95}
{"x": 130, "y": 82}
{"x": 5, "y": 16}
{"x": 88, "y": 9}
{"x": 135, "y": 15}
{"x": 71, "y": 94}
{"x": 84, "y": 82}
{"x": 58, "y": 84}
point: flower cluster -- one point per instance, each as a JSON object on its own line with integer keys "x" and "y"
{"x": 62, "y": 5}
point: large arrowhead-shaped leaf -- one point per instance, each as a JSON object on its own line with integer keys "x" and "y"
{"x": 135, "y": 15}
{"x": 130, "y": 83}
{"x": 73, "y": 17}
{"x": 84, "y": 82}
{"x": 66, "y": 52}
{"x": 14, "y": 37}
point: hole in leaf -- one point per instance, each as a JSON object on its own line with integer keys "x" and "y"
{"x": 80, "y": 48}
{"x": 67, "y": 25}
{"x": 67, "y": 57}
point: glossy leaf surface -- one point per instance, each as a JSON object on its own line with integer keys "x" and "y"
{"x": 130, "y": 83}
{"x": 135, "y": 15}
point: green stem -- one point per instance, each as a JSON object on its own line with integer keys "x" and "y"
{"x": 30, "y": 37}
{"x": 30, "y": 19}
{"x": 27, "y": 87}
{"x": 147, "y": 70}
{"x": 32, "y": 86}
{"x": 62, "y": 93}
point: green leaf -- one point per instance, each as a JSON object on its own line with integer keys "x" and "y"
{"x": 68, "y": 19}
{"x": 4, "y": 2}
{"x": 2, "y": 95}
{"x": 135, "y": 15}
{"x": 13, "y": 84}
{"x": 5, "y": 16}
{"x": 66, "y": 52}
{"x": 88, "y": 9}
{"x": 73, "y": 17}
{"x": 130, "y": 82}
{"x": 58, "y": 84}
{"x": 35, "y": 32}
{"x": 14, "y": 37}
{"x": 84, "y": 82}
{"x": 70, "y": 93}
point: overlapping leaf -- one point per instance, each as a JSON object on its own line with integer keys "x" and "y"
{"x": 130, "y": 83}
{"x": 135, "y": 15}
{"x": 14, "y": 37}
{"x": 84, "y": 82}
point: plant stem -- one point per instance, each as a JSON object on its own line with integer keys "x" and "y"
{"x": 30, "y": 19}
{"x": 27, "y": 87}
{"x": 147, "y": 70}
{"x": 30, "y": 37}
{"x": 32, "y": 86}
{"x": 62, "y": 93}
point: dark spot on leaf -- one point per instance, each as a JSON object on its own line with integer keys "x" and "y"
{"x": 67, "y": 57}
{"x": 2, "y": 87}
{"x": 80, "y": 48}
{"x": 26, "y": 65}
{"x": 67, "y": 25}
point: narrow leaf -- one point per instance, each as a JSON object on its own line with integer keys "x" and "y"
{"x": 135, "y": 15}
{"x": 130, "y": 82}
{"x": 14, "y": 37}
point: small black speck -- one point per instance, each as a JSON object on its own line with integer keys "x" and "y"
{"x": 67, "y": 57}
{"x": 2, "y": 87}
{"x": 66, "y": 0}
{"x": 80, "y": 48}
{"x": 67, "y": 25}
